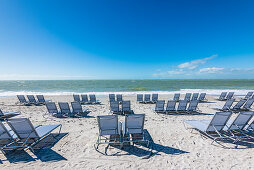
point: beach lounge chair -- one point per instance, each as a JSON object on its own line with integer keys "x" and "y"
{"x": 230, "y": 95}
{"x": 93, "y": 99}
{"x": 28, "y": 134}
{"x": 176, "y": 97}
{"x": 140, "y": 98}
{"x": 112, "y": 97}
{"x": 4, "y": 115}
{"x": 226, "y": 107}
{"x": 32, "y": 100}
{"x": 126, "y": 107}
{"x": 84, "y": 99}
{"x": 187, "y": 97}
{"x": 194, "y": 96}
{"x": 182, "y": 106}
{"x": 238, "y": 105}
{"x": 114, "y": 107}
{"x": 193, "y": 106}
{"x": 119, "y": 98}
{"x": 222, "y": 96}
{"x": 159, "y": 107}
{"x": 202, "y": 97}
{"x": 41, "y": 99}
{"x": 77, "y": 108}
{"x": 51, "y": 106}
{"x": 212, "y": 128}
{"x": 147, "y": 98}
{"x": 247, "y": 105}
{"x": 248, "y": 95}
{"x": 154, "y": 98}
{"x": 171, "y": 106}
{"x": 76, "y": 98}
{"x": 22, "y": 100}
{"x": 65, "y": 108}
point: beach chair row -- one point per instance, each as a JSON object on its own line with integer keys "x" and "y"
{"x": 222, "y": 127}
{"x": 20, "y": 133}
{"x": 4, "y": 115}
{"x": 191, "y": 97}
{"x": 182, "y": 107}
{"x": 147, "y": 98}
{"x": 226, "y": 96}
{"x": 32, "y": 100}
{"x": 123, "y": 107}
{"x": 113, "y": 97}
{"x": 112, "y": 131}
{"x": 65, "y": 110}
{"x": 242, "y": 105}
{"x": 83, "y": 99}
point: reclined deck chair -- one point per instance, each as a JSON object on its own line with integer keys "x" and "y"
{"x": 41, "y": 99}
{"x": 7, "y": 137}
{"x": 28, "y": 134}
{"x": 230, "y": 95}
{"x": 159, "y": 107}
{"x": 222, "y": 96}
{"x": 176, "y": 97}
{"x": 65, "y": 109}
{"x": 4, "y": 115}
{"x": 212, "y": 128}
{"x": 51, "y": 106}
{"x": 126, "y": 107}
{"x": 22, "y": 100}
{"x": 84, "y": 99}
{"x": 109, "y": 130}
{"x": 32, "y": 100}
{"x": 140, "y": 98}
{"x": 154, "y": 98}
{"x": 93, "y": 99}
{"x": 171, "y": 106}
{"x": 248, "y": 95}
{"x": 119, "y": 98}
{"x": 112, "y": 97}
{"x": 187, "y": 97}
{"x": 77, "y": 108}
{"x": 114, "y": 107}
{"x": 194, "y": 96}
{"x": 226, "y": 107}
{"x": 247, "y": 105}
{"x": 76, "y": 98}
{"x": 147, "y": 98}
{"x": 238, "y": 105}
{"x": 133, "y": 129}
{"x": 193, "y": 107}
{"x": 182, "y": 106}
{"x": 202, "y": 97}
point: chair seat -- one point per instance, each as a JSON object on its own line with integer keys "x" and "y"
{"x": 198, "y": 124}
{"x": 43, "y": 130}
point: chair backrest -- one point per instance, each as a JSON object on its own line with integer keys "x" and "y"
{"x": 41, "y": 98}
{"x": 230, "y": 95}
{"x": 4, "y": 133}
{"x": 228, "y": 104}
{"x": 239, "y": 104}
{"x": 202, "y": 96}
{"x": 147, "y": 97}
{"x": 64, "y": 107}
{"x": 182, "y": 105}
{"x": 154, "y": 97}
{"x": 187, "y": 96}
{"x": 126, "y": 106}
{"x": 193, "y": 105}
{"x": 84, "y": 98}
{"x": 31, "y": 98}
{"x": 76, "y": 107}
{"x": 139, "y": 97}
{"x": 119, "y": 97}
{"x": 22, "y": 98}
{"x": 92, "y": 98}
{"x": 76, "y": 97}
{"x": 114, "y": 106}
{"x": 176, "y": 97}
{"x": 160, "y": 105}
{"x": 248, "y": 95}
{"x": 1, "y": 113}
{"x": 195, "y": 96}
{"x": 222, "y": 95}
{"x": 241, "y": 120}
{"x": 112, "y": 97}
{"x": 23, "y": 128}
{"x": 171, "y": 105}
{"x": 218, "y": 121}
{"x": 248, "y": 104}
{"x": 51, "y": 106}
{"x": 108, "y": 125}
{"x": 134, "y": 123}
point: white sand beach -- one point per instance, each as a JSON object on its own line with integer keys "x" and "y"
{"x": 173, "y": 146}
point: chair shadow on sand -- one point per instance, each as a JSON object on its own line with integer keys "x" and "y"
{"x": 42, "y": 152}
{"x": 144, "y": 151}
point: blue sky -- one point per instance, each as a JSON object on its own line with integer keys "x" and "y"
{"x": 134, "y": 39}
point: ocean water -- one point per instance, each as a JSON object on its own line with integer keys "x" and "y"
{"x": 103, "y": 87}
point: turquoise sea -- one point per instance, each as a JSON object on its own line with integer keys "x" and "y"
{"x": 57, "y": 87}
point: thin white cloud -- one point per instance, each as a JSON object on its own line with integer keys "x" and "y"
{"x": 211, "y": 70}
